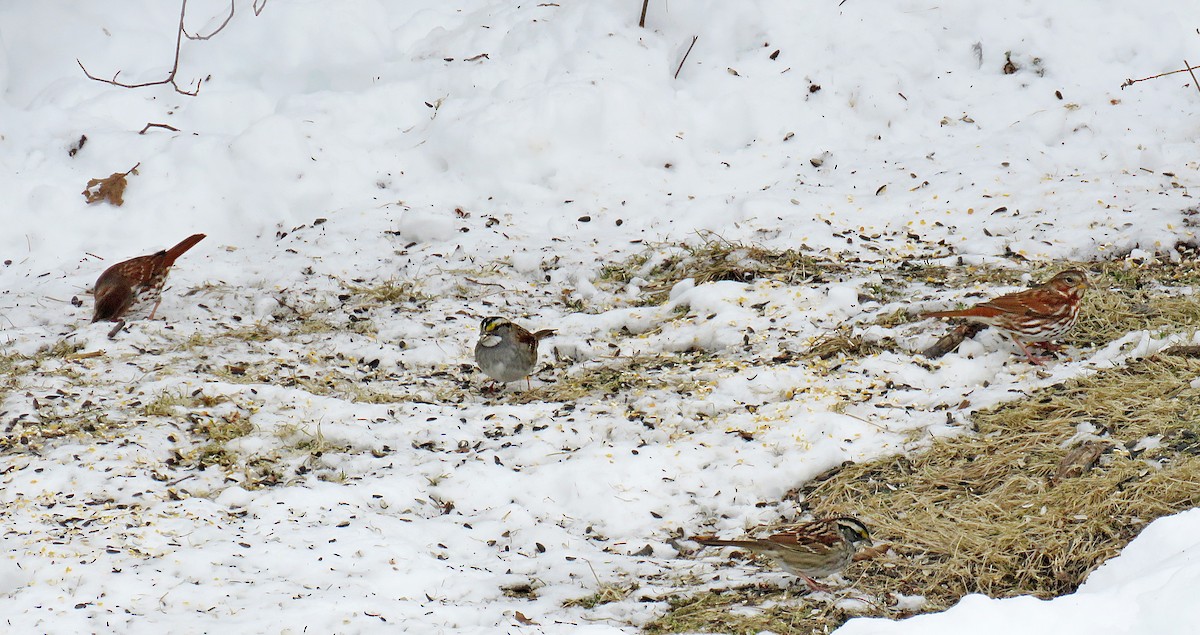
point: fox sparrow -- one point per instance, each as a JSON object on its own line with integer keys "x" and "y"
{"x": 136, "y": 282}
{"x": 810, "y": 550}
{"x": 1035, "y": 315}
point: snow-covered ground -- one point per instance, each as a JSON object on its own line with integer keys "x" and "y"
{"x": 486, "y": 157}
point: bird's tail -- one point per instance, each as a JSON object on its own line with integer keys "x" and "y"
{"x": 710, "y": 541}
{"x": 973, "y": 312}
{"x": 184, "y": 245}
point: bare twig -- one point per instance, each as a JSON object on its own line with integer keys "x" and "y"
{"x": 169, "y": 79}
{"x": 485, "y": 284}
{"x": 215, "y": 31}
{"x": 180, "y": 34}
{"x": 87, "y": 355}
{"x": 685, "y": 55}
{"x": 157, "y": 125}
{"x": 1192, "y": 73}
{"x": 642, "y": 21}
{"x": 951, "y": 340}
{"x": 179, "y": 480}
{"x": 1187, "y": 69}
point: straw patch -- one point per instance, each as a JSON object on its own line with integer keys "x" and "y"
{"x": 711, "y": 260}
{"x": 627, "y": 375}
{"x": 1003, "y": 511}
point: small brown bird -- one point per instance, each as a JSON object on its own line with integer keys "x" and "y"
{"x": 1035, "y": 315}
{"x": 136, "y": 282}
{"x": 810, "y": 550}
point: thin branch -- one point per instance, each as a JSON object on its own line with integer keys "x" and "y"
{"x": 215, "y": 31}
{"x": 642, "y": 21}
{"x": 169, "y": 79}
{"x": 1192, "y": 73}
{"x": 180, "y": 34}
{"x": 157, "y": 125}
{"x": 179, "y": 480}
{"x": 87, "y": 355}
{"x": 685, "y": 55}
{"x": 482, "y": 283}
{"x": 1130, "y": 82}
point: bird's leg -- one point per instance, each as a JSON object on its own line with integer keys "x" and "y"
{"x": 1033, "y": 359}
{"x": 156, "y": 303}
{"x": 814, "y": 585}
{"x": 1047, "y": 346}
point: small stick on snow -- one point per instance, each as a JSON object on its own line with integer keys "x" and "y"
{"x": 179, "y": 480}
{"x": 486, "y": 284}
{"x": 642, "y": 21}
{"x": 1192, "y": 73}
{"x": 1131, "y": 82}
{"x": 951, "y": 340}
{"x": 685, "y": 55}
{"x": 157, "y": 125}
{"x": 87, "y": 355}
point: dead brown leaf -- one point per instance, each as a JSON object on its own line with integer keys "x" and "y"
{"x": 1079, "y": 460}
{"x": 872, "y": 552}
{"x": 111, "y": 189}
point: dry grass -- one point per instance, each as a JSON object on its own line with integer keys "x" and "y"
{"x": 223, "y": 429}
{"x": 388, "y": 292}
{"x": 983, "y": 512}
{"x": 606, "y": 594}
{"x": 166, "y": 403}
{"x": 979, "y": 513}
{"x": 759, "y": 609}
{"x": 624, "y": 375}
{"x": 844, "y": 342}
{"x": 10, "y": 369}
{"x": 1109, "y": 313}
{"x": 714, "y": 259}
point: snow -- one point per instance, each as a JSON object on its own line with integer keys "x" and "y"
{"x": 1148, "y": 589}
{"x": 496, "y": 157}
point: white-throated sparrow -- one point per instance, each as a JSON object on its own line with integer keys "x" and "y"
{"x": 810, "y": 550}
{"x": 505, "y": 351}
